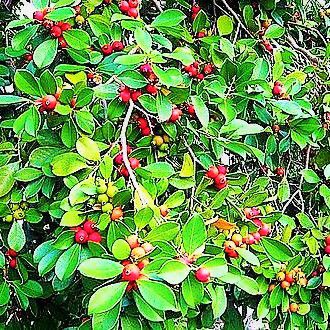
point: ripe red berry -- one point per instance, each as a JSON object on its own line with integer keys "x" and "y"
{"x": 147, "y": 247}
{"x": 117, "y": 46}
{"x": 124, "y": 172}
{"x": 200, "y": 76}
{"x": 146, "y": 131}
{"x": 38, "y": 15}
{"x": 277, "y": 90}
{"x": 89, "y": 226}
{"x": 133, "y": 241}
{"x": 13, "y": 263}
{"x": 119, "y": 159}
{"x": 55, "y": 31}
{"x": 327, "y": 240}
{"x": 125, "y": 95}
{"x": 220, "y": 179}
{"x": 124, "y": 6}
{"x": 146, "y": 68}
{"x": 191, "y": 110}
{"x": 132, "y": 12}
{"x": 95, "y": 237}
{"x": 280, "y": 171}
{"x": 107, "y": 49}
{"x": 249, "y": 240}
{"x": 208, "y": 69}
{"x": 133, "y": 3}
{"x": 222, "y": 169}
{"x": 232, "y": 254}
{"x": 49, "y": 102}
{"x": 164, "y": 210}
{"x": 213, "y": 172}
{"x": 130, "y": 273}
{"x": 62, "y": 42}
{"x": 289, "y": 277}
{"x": 135, "y": 163}
{"x": 201, "y": 34}
{"x": 117, "y": 213}
{"x": 195, "y": 9}
{"x": 264, "y": 230}
{"x": 256, "y": 236}
{"x": 12, "y": 253}
{"x": 65, "y": 26}
{"x": 135, "y": 95}
{"x": 327, "y": 249}
{"x": 81, "y": 236}
{"x": 152, "y": 89}
{"x": 176, "y": 115}
{"x": 28, "y": 57}
{"x": 202, "y": 275}
{"x": 193, "y": 72}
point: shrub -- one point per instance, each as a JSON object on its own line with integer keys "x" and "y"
{"x": 164, "y": 165}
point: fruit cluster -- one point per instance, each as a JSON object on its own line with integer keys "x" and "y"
{"x": 143, "y": 125}
{"x": 318, "y": 271}
{"x": 264, "y": 228}
{"x": 119, "y": 160}
{"x": 87, "y": 232}
{"x": 161, "y": 142}
{"x": 218, "y": 175}
{"x": 138, "y": 250}
{"x": 230, "y": 245}
{"x": 126, "y": 94}
{"x": 130, "y": 8}
{"x": 327, "y": 245}
{"x": 147, "y": 71}
{"x": 289, "y": 278}
{"x": 196, "y": 70}
{"x": 115, "y": 46}
{"x": 17, "y": 211}
{"x": 195, "y": 9}
{"x": 12, "y": 258}
{"x": 265, "y": 24}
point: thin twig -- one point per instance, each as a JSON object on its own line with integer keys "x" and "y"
{"x": 303, "y": 51}
{"x": 125, "y": 155}
{"x": 158, "y": 5}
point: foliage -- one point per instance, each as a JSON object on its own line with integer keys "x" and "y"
{"x": 119, "y": 208}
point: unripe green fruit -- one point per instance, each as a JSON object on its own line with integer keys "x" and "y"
{"x": 14, "y": 207}
{"x": 199, "y": 209}
{"x": 19, "y": 214}
{"x": 112, "y": 190}
{"x": 24, "y": 205}
{"x": 163, "y": 147}
{"x": 101, "y": 189}
{"x": 91, "y": 201}
{"x": 158, "y": 140}
{"x": 9, "y": 218}
{"x": 103, "y": 198}
{"x": 107, "y": 208}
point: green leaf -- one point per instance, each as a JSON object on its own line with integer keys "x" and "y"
{"x": 169, "y": 77}
{"x": 188, "y": 168}
{"x": 165, "y": 232}
{"x": 143, "y": 217}
{"x": 67, "y": 163}
{"x": 132, "y": 79}
{"x": 201, "y": 110}
{"x": 106, "y": 298}
{"x": 28, "y": 174}
{"x": 77, "y": 39}
{"x": 4, "y": 293}
{"x": 146, "y": 310}
{"x": 68, "y": 262}
{"x": 11, "y": 99}
{"x": 248, "y": 256}
{"x": 16, "y": 237}
{"x": 160, "y": 170}
{"x": 305, "y": 221}
{"x": 248, "y": 284}
{"x": 23, "y": 37}
{"x": 283, "y": 192}
{"x": 276, "y": 296}
{"x": 143, "y": 39}
{"x": 61, "y": 14}
{"x": 310, "y": 176}
{"x": 192, "y": 291}
{"x": 274, "y": 31}
{"x": 7, "y": 180}
{"x": 276, "y": 250}
{"x": 26, "y": 83}
{"x": 193, "y": 233}
{"x": 71, "y": 218}
{"x": 182, "y": 54}
{"x": 121, "y": 249}
{"x": 168, "y": 18}
{"x": 45, "y": 53}
{"x": 217, "y": 266}
{"x": 158, "y": 295}
{"x": 88, "y": 148}
{"x": 225, "y": 25}
{"x": 132, "y": 59}
{"x": 219, "y": 301}
{"x": 174, "y": 271}
{"x": 175, "y": 200}
{"x": 101, "y": 269}
{"x": 30, "y": 288}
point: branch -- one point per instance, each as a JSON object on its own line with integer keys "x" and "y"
{"x": 158, "y": 5}
{"x": 125, "y": 156}
{"x": 304, "y": 51}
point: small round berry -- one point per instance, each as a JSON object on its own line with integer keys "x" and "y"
{"x": 138, "y": 252}
{"x": 117, "y": 213}
{"x": 163, "y": 210}
{"x": 38, "y": 15}
{"x": 133, "y": 12}
{"x": 81, "y": 236}
{"x": 107, "y": 49}
{"x": 212, "y": 172}
{"x": 203, "y": 275}
{"x": 13, "y": 263}
{"x": 176, "y": 115}
{"x": 124, "y": 6}
{"x": 133, "y": 3}
{"x": 130, "y": 273}
{"x": 148, "y": 247}
{"x": 12, "y": 253}
{"x": 135, "y": 163}
{"x": 95, "y": 237}
{"x": 152, "y": 89}
{"x": 49, "y": 102}
{"x": 133, "y": 241}
{"x": 117, "y": 46}
{"x": 56, "y": 31}
{"x": 89, "y": 226}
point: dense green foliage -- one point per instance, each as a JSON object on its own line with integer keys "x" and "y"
{"x": 164, "y": 165}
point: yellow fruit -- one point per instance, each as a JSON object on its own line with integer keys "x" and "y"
{"x": 166, "y": 138}
{"x": 14, "y": 207}
{"x": 79, "y": 19}
{"x": 112, "y": 190}
{"x": 24, "y": 205}
{"x": 8, "y": 218}
{"x": 103, "y": 198}
{"x": 158, "y": 140}
{"x": 107, "y": 208}
{"x": 19, "y": 214}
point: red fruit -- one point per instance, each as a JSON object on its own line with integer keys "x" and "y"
{"x": 135, "y": 95}
{"x": 147, "y": 247}
{"x": 268, "y": 46}
{"x": 202, "y": 275}
{"x": 200, "y": 76}
{"x": 142, "y": 123}
{"x": 89, "y": 226}
{"x": 65, "y": 26}
{"x": 38, "y": 15}
{"x": 327, "y": 240}
{"x": 191, "y": 110}
{"x": 285, "y": 285}
{"x": 49, "y": 102}
{"x": 256, "y": 236}
{"x": 289, "y": 277}
{"x": 208, "y": 69}
{"x": 62, "y": 42}
{"x": 164, "y": 210}
{"x": 12, "y": 253}
{"x": 124, "y": 172}
{"x": 13, "y": 263}
{"x": 131, "y": 286}
{"x": 264, "y": 230}
{"x": 107, "y": 49}
{"x": 48, "y": 24}
{"x": 187, "y": 68}
{"x": 125, "y": 95}
{"x": 119, "y": 159}
{"x": 117, "y": 46}
{"x": 146, "y": 68}
{"x": 117, "y": 213}
{"x": 73, "y": 103}
{"x": 132, "y": 12}
{"x": 28, "y": 57}
{"x": 90, "y": 75}
{"x": 222, "y": 169}
{"x": 133, "y": 241}
{"x": 280, "y": 171}
{"x": 327, "y": 249}
{"x": 229, "y": 246}
{"x": 213, "y": 172}
{"x": 135, "y": 163}
{"x": 232, "y": 254}
{"x": 141, "y": 264}
{"x": 195, "y": 9}
{"x": 55, "y": 31}
{"x": 152, "y": 89}
{"x": 221, "y": 186}
{"x": 133, "y": 3}
{"x": 193, "y": 72}
{"x": 220, "y": 179}
{"x": 124, "y": 6}
{"x": 138, "y": 252}
{"x": 258, "y": 222}
{"x": 77, "y": 9}
{"x": 176, "y": 115}
{"x": 95, "y": 237}
{"x": 249, "y": 240}
{"x": 81, "y": 236}
{"x": 276, "y": 128}
{"x": 315, "y": 273}
{"x": 125, "y": 262}
{"x": 75, "y": 229}
{"x": 201, "y": 34}
{"x": 277, "y": 90}
{"x": 146, "y": 131}
{"x": 193, "y": 16}
{"x": 130, "y": 273}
